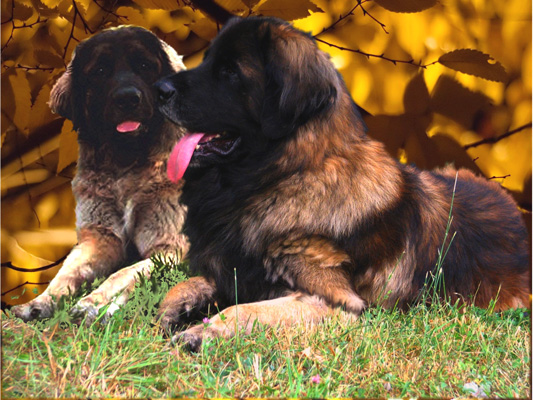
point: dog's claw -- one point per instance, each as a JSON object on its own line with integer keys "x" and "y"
{"x": 190, "y": 340}
{"x": 40, "y": 308}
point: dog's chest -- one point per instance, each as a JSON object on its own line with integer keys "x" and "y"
{"x": 118, "y": 199}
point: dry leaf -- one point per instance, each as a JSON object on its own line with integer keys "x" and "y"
{"x": 406, "y": 6}
{"x": 168, "y": 5}
{"x": 416, "y": 96}
{"x": 68, "y": 146}
{"x": 457, "y": 102}
{"x": 289, "y": 11}
{"x": 474, "y": 62}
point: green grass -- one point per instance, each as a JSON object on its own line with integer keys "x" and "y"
{"x": 429, "y": 351}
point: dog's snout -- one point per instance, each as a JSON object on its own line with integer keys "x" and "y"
{"x": 127, "y": 97}
{"x": 165, "y": 90}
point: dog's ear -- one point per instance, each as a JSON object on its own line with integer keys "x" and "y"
{"x": 61, "y": 95}
{"x": 301, "y": 82}
{"x": 67, "y": 97}
{"x": 175, "y": 60}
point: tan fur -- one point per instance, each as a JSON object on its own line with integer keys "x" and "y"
{"x": 127, "y": 210}
{"x": 310, "y": 213}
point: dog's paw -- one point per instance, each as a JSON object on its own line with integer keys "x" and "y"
{"x": 85, "y": 309}
{"x": 39, "y": 308}
{"x": 169, "y": 322}
{"x": 172, "y": 318}
{"x": 192, "y": 338}
{"x": 91, "y": 308}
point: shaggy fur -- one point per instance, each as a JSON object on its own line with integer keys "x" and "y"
{"x": 309, "y": 211}
{"x": 127, "y": 209}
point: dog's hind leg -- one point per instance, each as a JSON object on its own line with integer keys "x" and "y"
{"x": 290, "y": 310}
{"x": 316, "y": 265}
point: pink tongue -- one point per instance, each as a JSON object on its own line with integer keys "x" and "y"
{"x": 128, "y": 126}
{"x": 181, "y": 155}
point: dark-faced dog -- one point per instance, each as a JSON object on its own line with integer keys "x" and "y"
{"x": 288, "y": 196}
{"x": 127, "y": 209}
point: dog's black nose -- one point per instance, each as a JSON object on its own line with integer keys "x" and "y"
{"x": 128, "y": 97}
{"x": 165, "y": 90}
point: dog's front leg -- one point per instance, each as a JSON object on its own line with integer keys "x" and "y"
{"x": 98, "y": 254}
{"x": 186, "y": 300}
{"x": 293, "y": 309}
{"x": 116, "y": 290}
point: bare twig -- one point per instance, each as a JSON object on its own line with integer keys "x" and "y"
{"x": 36, "y": 68}
{"x": 21, "y": 269}
{"x": 14, "y": 27}
{"x": 109, "y": 12}
{"x": 71, "y": 36}
{"x": 381, "y": 56}
{"x": 86, "y": 26}
{"x": 24, "y": 284}
{"x": 341, "y": 18}
{"x": 497, "y": 138}
{"x": 500, "y": 177}
{"x": 382, "y": 25}
{"x": 349, "y": 14}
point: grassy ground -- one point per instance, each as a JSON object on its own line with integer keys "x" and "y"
{"x": 433, "y": 351}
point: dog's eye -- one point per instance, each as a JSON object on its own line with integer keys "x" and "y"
{"x": 230, "y": 73}
{"x": 100, "y": 71}
{"x": 145, "y": 65}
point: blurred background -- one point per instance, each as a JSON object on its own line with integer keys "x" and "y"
{"x": 445, "y": 81}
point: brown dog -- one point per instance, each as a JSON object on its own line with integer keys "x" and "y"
{"x": 127, "y": 209}
{"x": 285, "y": 189}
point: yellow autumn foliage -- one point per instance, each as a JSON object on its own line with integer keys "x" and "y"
{"x": 435, "y": 76}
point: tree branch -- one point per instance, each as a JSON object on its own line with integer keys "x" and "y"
{"x": 349, "y": 14}
{"x": 497, "y": 138}
{"x": 21, "y": 269}
{"x": 24, "y": 284}
{"x": 381, "y": 56}
{"x": 36, "y": 68}
{"x": 341, "y": 18}
{"x": 382, "y": 25}
{"x": 14, "y": 27}
{"x": 500, "y": 177}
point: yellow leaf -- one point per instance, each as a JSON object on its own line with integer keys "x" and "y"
{"x": 132, "y": 16}
{"x": 46, "y": 39}
{"x": 68, "y": 146}
{"x": 288, "y": 11}
{"x": 48, "y": 59}
{"x": 235, "y": 6}
{"x": 40, "y": 111}
{"x": 22, "y": 93}
{"x": 51, "y": 3}
{"x": 391, "y": 130}
{"x": 420, "y": 150}
{"x": 250, "y": 3}
{"x": 22, "y": 12}
{"x": 474, "y": 62}
{"x": 83, "y": 6}
{"x": 169, "y": 5}
{"x": 455, "y": 101}
{"x": 406, "y": 6}
{"x": 416, "y": 96}
{"x": 450, "y": 150}
{"x": 204, "y": 28}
